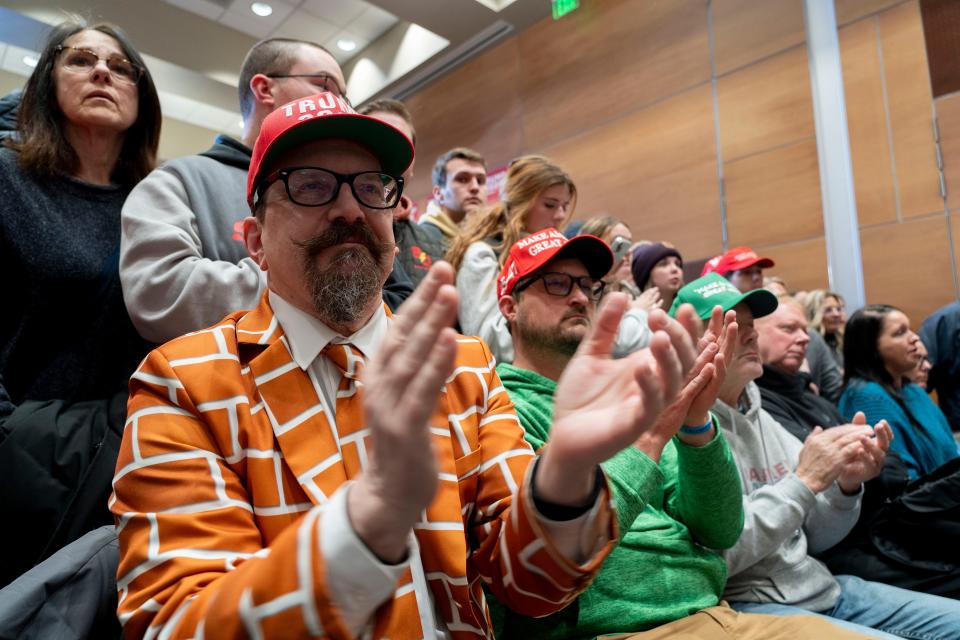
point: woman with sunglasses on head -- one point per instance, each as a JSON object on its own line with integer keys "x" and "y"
{"x": 537, "y": 195}
{"x": 617, "y": 235}
{"x": 87, "y": 132}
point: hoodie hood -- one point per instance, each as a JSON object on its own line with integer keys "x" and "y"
{"x": 230, "y": 152}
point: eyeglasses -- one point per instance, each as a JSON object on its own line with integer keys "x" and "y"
{"x": 315, "y": 187}
{"x": 561, "y": 284}
{"x": 81, "y": 60}
{"x": 324, "y": 80}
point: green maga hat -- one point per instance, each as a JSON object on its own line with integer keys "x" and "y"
{"x": 713, "y": 289}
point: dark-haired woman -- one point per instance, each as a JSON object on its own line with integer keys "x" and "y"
{"x": 880, "y": 351}
{"x": 88, "y": 128}
{"x": 87, "y": 131}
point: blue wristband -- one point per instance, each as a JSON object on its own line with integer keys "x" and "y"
{"x": 696, "y": 431}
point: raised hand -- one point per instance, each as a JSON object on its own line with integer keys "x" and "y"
{"x": 402, "y": 385}
{"x": 648, "y": 300}
{"x": 602, "y": 405}
{"x": 869, "y": 463}
{"x": 722, "y": 333}
{"x": 701, "y": 383}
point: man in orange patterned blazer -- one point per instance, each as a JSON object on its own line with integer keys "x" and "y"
{"x": 317, "y": 468}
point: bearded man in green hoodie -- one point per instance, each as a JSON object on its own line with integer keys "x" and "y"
{"x": 677, "y": 491}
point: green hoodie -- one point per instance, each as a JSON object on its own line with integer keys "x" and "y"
{"x": 671, "y": 516}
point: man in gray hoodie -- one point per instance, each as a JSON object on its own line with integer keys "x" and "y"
{"x": 183, "y": 264}
{"x": 802, "y": 498}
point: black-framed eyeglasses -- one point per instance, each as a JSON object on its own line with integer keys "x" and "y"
{"x": 561, "y": 284}
{"x": 82, "y": 60}
{"x": 325, "y": 80}
{"x": 315, "y": 187}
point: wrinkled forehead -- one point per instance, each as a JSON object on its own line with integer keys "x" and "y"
{"x": 571, "y": 266}
{"x": 95, "y": 41}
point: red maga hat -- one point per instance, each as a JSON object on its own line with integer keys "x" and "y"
{"x": 734, "y": 260}
{"x": 530, "y": 253}
{"x": 325, "y": 115}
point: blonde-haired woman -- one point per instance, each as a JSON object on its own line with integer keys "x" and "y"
{"x": 827, "y": 317}
{"x": 537, "y": 195}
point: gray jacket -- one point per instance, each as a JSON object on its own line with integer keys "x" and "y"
{"x": 72, "y": 595}
{"x": 784, "y": 522}
{"x": 183, "y": 263}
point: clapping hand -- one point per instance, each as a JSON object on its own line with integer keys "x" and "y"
{"x": 850, "y": 454}
{"x": 869, "y": 463}
{"x": 602, "y": 404}
{"x": 402, "y": 385}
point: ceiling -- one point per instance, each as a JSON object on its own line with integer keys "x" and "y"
{"x": 194, "y": 48}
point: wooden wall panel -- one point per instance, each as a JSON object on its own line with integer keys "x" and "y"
{"x": 948, "y": 117}
{"x": 802, "y": 265}
{"x": 867, "y": 123}
{"x": 656, "y": 169}
{"x": 908, "y": 265}
{"x": 850, "y": 10}
{"x": 476, "y": 105}
{"x": 911, "y": 113}
{"x": 746, "y": 30}
{"x": 605, "y": 60}
{"x": 774, "y": 197}
{"x": 765, "y": 105}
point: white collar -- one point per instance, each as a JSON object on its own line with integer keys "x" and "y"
{"x": 307, "y": 336}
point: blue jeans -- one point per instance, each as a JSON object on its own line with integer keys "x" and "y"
{"x": 881, "y": 611}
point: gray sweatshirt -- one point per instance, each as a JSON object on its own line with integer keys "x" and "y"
{"x": 784, "y": 522}
{"x": 183, "y": 262}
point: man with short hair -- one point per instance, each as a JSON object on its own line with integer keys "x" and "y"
{"x": 741, "y": 266}
{"x": 801, "y": 499}
{"x": 459, "y": 189}
{"x": 784, "y": 388}
{"x": 419, "y": 247}
{"x": 317, "y": 467}
{"x": 677, "y": 490}
{"x": 183, "y": 265}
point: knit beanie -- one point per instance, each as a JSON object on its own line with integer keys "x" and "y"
{"x": 646, "y": 257}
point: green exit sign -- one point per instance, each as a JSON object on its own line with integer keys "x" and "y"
{"x": 563, "y": 7}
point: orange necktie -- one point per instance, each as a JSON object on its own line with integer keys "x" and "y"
{"x": 351, "y": 424}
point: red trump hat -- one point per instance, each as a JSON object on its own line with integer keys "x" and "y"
{"x": 325, "y": 115}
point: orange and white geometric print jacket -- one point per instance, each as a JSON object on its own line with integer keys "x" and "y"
{"x": 226, "y": 465}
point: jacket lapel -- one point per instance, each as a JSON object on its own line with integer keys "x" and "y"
{"x": 291, "y": 403}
